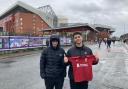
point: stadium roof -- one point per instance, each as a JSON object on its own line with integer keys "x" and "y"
{"x": 29, "y": 8}
{"x": 104, "y": 26}
{"x": 71, "y": 26}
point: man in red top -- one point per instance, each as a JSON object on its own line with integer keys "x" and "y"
{"x": 78, "y": 50}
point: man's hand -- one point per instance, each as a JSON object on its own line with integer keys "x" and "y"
{"x": 97, "y": 58}
{"x": 65, "y": 59}
{"x": 97, "y": 55}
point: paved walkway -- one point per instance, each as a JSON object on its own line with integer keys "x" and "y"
{"x": 111, "y": 73}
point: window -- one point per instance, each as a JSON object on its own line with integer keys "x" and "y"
{"x": 34, "y": 27}
{"x": 21, "y": 19}
{"x": 34, "y": 24}
{"x": 21, "y": 23}
{"x": 21, "y": 28}
{"x": 17, "y": 21}
{"x": 42, "y": 22}
{"x": 33, "y": 20}
{"x": 34, "y": 16}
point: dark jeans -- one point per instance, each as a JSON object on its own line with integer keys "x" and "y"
{"x": 80, "y": 85}
{"x": 50, "y": 83}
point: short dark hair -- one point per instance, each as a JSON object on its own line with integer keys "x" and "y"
{"x": 76, "y": 33}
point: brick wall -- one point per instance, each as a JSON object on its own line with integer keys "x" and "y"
{"x": 24, "y": 23}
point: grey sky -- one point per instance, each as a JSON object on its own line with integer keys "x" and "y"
{"x": 107, "y": 12}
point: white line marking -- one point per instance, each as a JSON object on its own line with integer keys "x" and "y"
{"x": 126, "y": 65}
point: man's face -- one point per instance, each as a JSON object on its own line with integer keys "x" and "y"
{"x": 54, "y": 43}
{"x": 78, "y": 39}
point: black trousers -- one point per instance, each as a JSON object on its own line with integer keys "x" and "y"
{"x": 50, "y": 83}
{"x": 80, "y": 85}
{"x": 108, "y": 45}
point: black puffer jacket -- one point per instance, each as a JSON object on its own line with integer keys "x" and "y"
{"x": 52, "y": 61}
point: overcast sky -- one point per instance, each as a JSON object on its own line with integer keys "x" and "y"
{"x": 107, "y": 12}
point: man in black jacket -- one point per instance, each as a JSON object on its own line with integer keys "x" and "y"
{"x": 47, "y": 42}
{"x": 78, "y": 50}
{"x": 109, "y": 43}
{"x": 52, "y": 66}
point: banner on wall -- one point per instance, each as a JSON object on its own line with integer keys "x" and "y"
{"x": 23, "y": 42}
{"x": 35, "y": 41}
{"x": 5, "y": 43}
{"x": 18, "y": 42}
{"x": 0, "y": 43}
{"x": 65, "y": 41}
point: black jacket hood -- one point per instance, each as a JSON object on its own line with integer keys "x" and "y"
{"x": 53, "y": 38}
